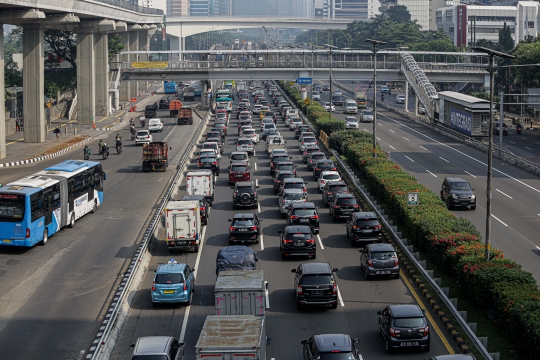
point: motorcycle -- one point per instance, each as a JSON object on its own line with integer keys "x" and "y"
{"x": 99, "y": 150}
{"x": 518, "y": 130}
{"x": 86, "y": 156}
{"x": 119, "y": 149}
{"x": 105, "y": 154}
{"x": 133, "y": 136}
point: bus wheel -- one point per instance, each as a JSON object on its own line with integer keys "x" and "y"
{"x": 71, "y": 221}
{"x": 45, "y": 238}
{"x": 94, "y": 208}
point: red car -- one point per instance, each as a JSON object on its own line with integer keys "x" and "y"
{"x": 239, "y": 171}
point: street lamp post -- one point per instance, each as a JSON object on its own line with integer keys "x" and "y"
{"x": 492, "y": 54}
{"x": 330, "y": 107}
{"x": 375, "y": 43}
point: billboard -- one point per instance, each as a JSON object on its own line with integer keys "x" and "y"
{"x": 461, "y": 25}
{"x": 461, "y": 121}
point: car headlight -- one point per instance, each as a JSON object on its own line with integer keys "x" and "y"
{"x": 473, "y": 197}
{"x": 454, "y": 196}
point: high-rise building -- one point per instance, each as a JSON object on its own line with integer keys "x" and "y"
{"x": 350, "y": 9}
{"x": 177, "y": 8}
{"x": 201, "y": 8}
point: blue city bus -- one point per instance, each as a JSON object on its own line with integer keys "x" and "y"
{"x": 37, "y": 206}
{"x": 170, "y": 87}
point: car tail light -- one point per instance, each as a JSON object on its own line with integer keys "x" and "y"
{"x": 317, "y": 169}
{"x": 310, "y": 241}
{"x": 356, "y": 227}
{"x": 334, "y": 169}
{"x": 234, "y": 194}
{"x": 299, "y": 290}
{"x": 424, "y": 331}
{"x": 356, "y": 206}
{"x": 185, "y": 286}
{"x": 396, "y": 262}
{"x": 153, "y": 286}
{"x": 294, "y": 217}
{"x": 322, "y": 182}
{"x": 254, "y": 228}
{"x": 199, "y": 163}
{"x": 287, "y": 241}
{"x": 370, "y": 263}
{"x": 336, "y": 206}
{"x": 334, "y": 289}
{"x": 215, "y": 163}
{"x": 328, "y": 193}
{"x": 315, "y": 217}
{"x": 232, "y": 228}
{"x": 27, "y": 233}
{"x": 393, "y": 332}
{"x": 378, "y": 227}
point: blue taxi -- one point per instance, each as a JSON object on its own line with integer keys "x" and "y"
{"x": 173, "y": 283}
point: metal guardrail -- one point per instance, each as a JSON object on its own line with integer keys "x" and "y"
{"x": 112, "y": 314}
{"x": 463, "y": 323}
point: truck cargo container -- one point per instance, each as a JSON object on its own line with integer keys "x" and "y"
{"x": 155, "y": 156}
{"x": 240, "y": 292}
{"x": 201, "y": 182}
{"x": 182, "y": 225}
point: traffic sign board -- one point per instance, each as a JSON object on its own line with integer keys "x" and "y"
{"x": 307, "y": 101}
{"x": 413, "y": 199}
{"x": 303, "y": 81}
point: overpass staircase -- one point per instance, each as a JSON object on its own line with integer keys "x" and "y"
{"x": 424, "y": 90}
{"x": 114, "y": 84}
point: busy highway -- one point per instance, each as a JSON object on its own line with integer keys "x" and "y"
{"x": 358, "y": 299}
{"x": 430, "y": 157}
{"x": 53, "y": 297}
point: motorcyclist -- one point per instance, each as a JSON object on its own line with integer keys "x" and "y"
{"x": 118, "y": 144}
{"x": 100, "y": 145}
{"x": 118, "y": 137}
{"x": 86, "y": 150}
{"x": 132, "y": 130}
{"x": 104, "y": 148}
{"x": 131, "y": 122}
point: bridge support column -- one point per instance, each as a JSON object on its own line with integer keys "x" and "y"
{"x": 134, "y": 46}
{"x": 2, "y": 112}
{"x": 407, "y": 95}
{"x": 103, "y": 104}
{"x": 33, "y": 84}
{"x": 416, "y": 105}
{"x": 86, "y": 76}
{"x": 144, "y": 45}
{"x": 124, "y": 85}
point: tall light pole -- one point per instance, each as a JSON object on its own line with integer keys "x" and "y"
{"x": 375, "y": 43}
{"x": 492, "y": 54}
{"x": 330, "y": 107}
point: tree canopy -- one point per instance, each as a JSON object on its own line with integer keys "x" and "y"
{"x": 399, "y": 14}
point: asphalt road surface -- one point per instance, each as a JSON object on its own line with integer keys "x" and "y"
{"x": 53, "y": 298}
{"x": 360, "y": 300}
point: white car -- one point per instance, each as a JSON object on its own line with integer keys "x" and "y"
{"x": 288, "y": 196}
{"x": 294, "y": 123}
{"x": 327, "y": 176}
{"x": 265, "y": 121}
{"x": 400, "y": 99}
{"x": 143, "y": 137}
{"x": 306, "y": 141}
{"x": 252, "y": 134}
{"x": 277, "y": 151}
{"x": 351, "y": 122}
{"x": 328, "y": 106}
{"x": 367, "y": 116}
{"x": 155, "y": 125}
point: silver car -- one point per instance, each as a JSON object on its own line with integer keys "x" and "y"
{"x": 158, "y": 347}
{"x": 400, "y": 99}
{"x": 351, "y": 123}
{"x": 379, "y": 259}
{"x": 367, "y": 116}
{"x": 288, "y": 196}
{"x": 245, "y": 144}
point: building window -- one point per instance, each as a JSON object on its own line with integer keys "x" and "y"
{"x": 531, "y": 24}
{"x": 492, "y": 18}
{"x": 451, "y": 29}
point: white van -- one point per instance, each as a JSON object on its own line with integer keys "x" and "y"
{"x": 201, "y": 182}
{"x": 351, "y": 107}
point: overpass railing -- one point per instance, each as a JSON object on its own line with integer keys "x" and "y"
{"x": 420, "y": 83}
{"x": 131, "y": 6}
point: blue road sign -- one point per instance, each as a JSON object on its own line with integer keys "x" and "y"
{"x": 303, "y": 81}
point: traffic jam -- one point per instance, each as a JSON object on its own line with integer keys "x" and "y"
{"x": 298, "y": 243}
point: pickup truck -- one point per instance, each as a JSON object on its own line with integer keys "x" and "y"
{"x": 150, "y": 111}
{"x": 155, "y": 156}
{"x": 274, "y": 142}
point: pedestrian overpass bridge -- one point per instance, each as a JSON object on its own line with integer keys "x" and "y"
{"x": 221, "y": 65}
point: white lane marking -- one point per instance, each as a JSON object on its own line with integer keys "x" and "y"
{"x": 267, "y": 298}
{"x": 406, "y": 138}
{"x": 470, "y": 174}
{"x": 423, "y": 148}
{"x": 409, "y": 158}
{"x": 444, "y": 159}
{"x": 378, "y": 138}
{"x": 256, "y": 182}
{"x": 537, "y": 142}
{"x": 392, "y": 131}
{"x": 499, "y": 220}
{"x": 504, "y": 194}
{"x": 186, "y": 315}
{"x": 259, "y": 207}
{"x": 538, "y": 247}
{"x": 511, "y": 142}
{"x": 382, "y": 125}
{"x": 528, "y": 148}
{"x": 340, "y": 298}
{"x": 524, "y": 138}
{"x": 393, "y": 148}
{"x": 262, "y": 242}
{"x": 320, "y": 241}
{"x": 255, "y": 166}
{"x": 431, "y": 173}
{"x": 81, "y": 354}
{"x": 462, "y": 153}
{"x": 165, "y": 138}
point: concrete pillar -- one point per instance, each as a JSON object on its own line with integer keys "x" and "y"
{"x": 133, "y": 46}
{"x": 103, "y": 104}
{"x": 124, "y": 85}
{"x": 407, "y": 95}
{"x": 86, "y": 76}
{"x": 33, "y": 84}
{"x": 2, "y": 86}
{"x": 303, "y": 91}
{"x": 144, "y": 45}
{"x": 416, "y": 105}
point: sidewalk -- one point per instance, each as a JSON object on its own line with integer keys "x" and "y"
{"x": 20, "y": 153}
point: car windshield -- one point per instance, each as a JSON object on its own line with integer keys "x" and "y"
{"x": 294, "y": 185}
{"x": 331, "y": 177}
{"x": 335, "y": 188}
{"x": 142, "y": 133}
{"x": 245, "y": 142}
{"x": 295, "y": 196}
{"x": 280, "y": 158}
{"x": 173, "y": 278}
{"x": 239, "y": 168}
{"x": 409, "y": 322}
{"x": 210, "y": 146}
{"x": 326, "y": 164}
{"x": 238, "y": 156}
{"x": 242, "y": 222}
{"x": 346, "y": 201}
{"x": 317, "y": 156}
{"x": 316, "y": 280}
{"x": 370, "y": 113}
{"x": 352, "y": 120}
{"x": 286, "y": 167}
{"x": 383, "y": 255}
{"x": 154, "y": 122}
{"x": 285, "y": 176}
{"x": 245, "y": 189}
{"x": 326, "y": 104}
{"x": 269, "y": 126}
{"x": 149, "y": 357}
{"x": 248, "y": 131}
{"x": 207, "y": 159}
{"x": 221, "y": 115}
{"x": 363, "y": 222}
{"x": 460, "y": 186}
{"x": 309, "y": 140}
{"x": 304, "y": 212}
{"x": 298, "y": 236}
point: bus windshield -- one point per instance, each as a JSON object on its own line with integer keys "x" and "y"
{"x": 11, "y": 207}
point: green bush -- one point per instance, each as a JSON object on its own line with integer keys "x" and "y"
{"x": 506, "y": 295}
{"x": 330, "y": 126}
{"x": 523, "y": 326}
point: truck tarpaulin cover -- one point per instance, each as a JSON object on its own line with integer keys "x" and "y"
{"x": 175, "y": 105}
{"x": 235, "y": 258}
{"x": 149, "y": 64}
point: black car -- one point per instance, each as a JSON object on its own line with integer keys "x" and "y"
{"x": 275, "y": 160}
{"x": 319, "y": 88}
{"x": 337, "y": 100}
{"x": 300, "y": 129}
{"x": 304, "y": 213}
{"x": 245, "y": 194}
{"x": 315, "y": 285}
{"x": 326, "y": 87}
{"x": 457, "y": 192}
{"x": 236, "y": 257}
{"x": 342, "y": 206}
{"x": 404, "y": 326}
{"x": 164, "y": 104}
{"x": 308, "y": 150}
{"x": 280, "y": 175}
{"x": 313, "y": 157}
{"x": 323, "y": 165}
{"x": 245, "y": 228}
{"x": 204, "y": 207}
{"x": 364, "y": 227}
{"x": 297, "y": 240}
{"x": 330, "y": 346}
{"x": 331, "y": 188}
{"x": 285, "y": 166}
{"x": 208, "y": 162}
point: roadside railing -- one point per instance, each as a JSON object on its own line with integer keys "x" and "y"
{"x": 72, "y": 107}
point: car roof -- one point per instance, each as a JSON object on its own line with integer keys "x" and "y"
{"x": 306, "y": 205}
{"x": 455, "y": 179}
{"x": 244, "y": 183}
{"x": 244, "y": 215}
{"x": 239, "y": 152}
{"x": 298, "y": 191}
{"x": 406, "y": 310}
{"x": 365, "y": 214}
{"x": 152, "y": 345}
{"x": 170, "y": 268}
{"x": 331, "y": 342}
{"x": 297, "y": 229}
{"x": 454, "y": 357}
{"x": 295, "y": 179}
{"x": 380, "y": 247}
{"x": 316, "y": 268}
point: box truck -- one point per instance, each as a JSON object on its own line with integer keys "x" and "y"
{"x": 182, "y": 225}
{"x": 240, "y": 292}
{"x": 201, "y": 183}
